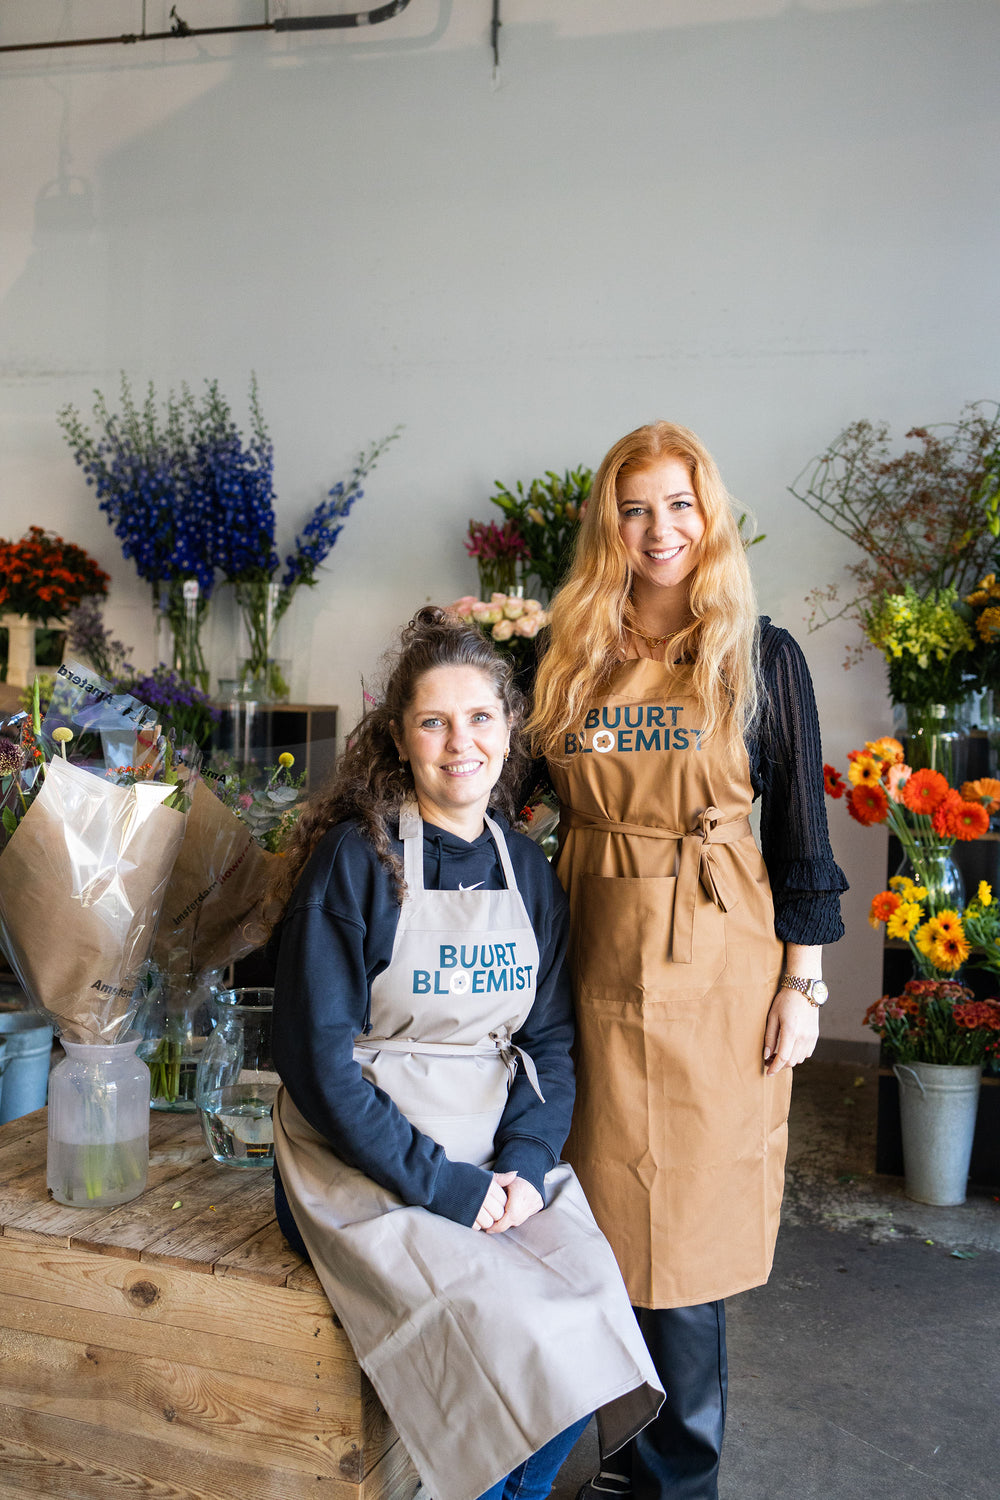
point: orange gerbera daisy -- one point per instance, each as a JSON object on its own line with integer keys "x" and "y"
{"x": 882, "y": 907}
{"x": 985, "y": 791}
{"x": 868, "y": 804}
{"x": 925, "y": 791}
{"x": 949, "y": 953}
{"x": 833, "y": 782}
{"x": 958, "y": 819}
{"x": 943, "y": 816}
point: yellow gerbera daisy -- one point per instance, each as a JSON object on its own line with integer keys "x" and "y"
{"x": 923, "y": 939}
{"x": 949, "y": 923}
{"x": 864, "y": 770}
{"x": 908, "y": 889}
{"x": 903, "y": 920}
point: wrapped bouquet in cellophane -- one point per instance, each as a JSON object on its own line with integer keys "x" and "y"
{"x": 93, "y": 801}
{"x": 213, "y": 914}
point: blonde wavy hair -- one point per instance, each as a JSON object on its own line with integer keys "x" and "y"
{"x": 593, "y": 610}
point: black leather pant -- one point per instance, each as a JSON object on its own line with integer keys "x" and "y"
{"x": 677, "y": 1456}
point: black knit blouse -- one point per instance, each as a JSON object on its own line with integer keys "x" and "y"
{"x": 786, "y": 769}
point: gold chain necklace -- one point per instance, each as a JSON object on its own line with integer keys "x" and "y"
{"x": 654, "y": 642}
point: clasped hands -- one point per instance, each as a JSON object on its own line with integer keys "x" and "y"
{"x": 508, "y": 1202}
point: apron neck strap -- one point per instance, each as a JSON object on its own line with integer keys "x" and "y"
{"x": 504, "y": 852}
{"x": 411, "y": 831}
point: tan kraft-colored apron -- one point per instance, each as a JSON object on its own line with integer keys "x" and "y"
{"x": 678, "y": 1135}
{"x": 481, "y": 1347}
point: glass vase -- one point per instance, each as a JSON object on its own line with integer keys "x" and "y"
{"x": 237, "y": 1081}
{"x": 497, "y": 575}
{"x": 263, "y": 671}
{"x": 181, "y": 610}
{"x": 933, "y": 739}
{"x": 174, "y": 1021}
{"x": 938, "y": 874}
{"x": 98, "y": 1136}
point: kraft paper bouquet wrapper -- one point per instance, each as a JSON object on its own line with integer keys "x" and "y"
{"x": 82, "y": 880}
{"x": 87, "y": 845}
{"x": 213, "y": 908}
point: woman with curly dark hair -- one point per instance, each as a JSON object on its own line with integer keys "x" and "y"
{"x": 423, "y": 1023}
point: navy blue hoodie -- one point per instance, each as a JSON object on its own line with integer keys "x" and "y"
{"x": 336, "y": 936}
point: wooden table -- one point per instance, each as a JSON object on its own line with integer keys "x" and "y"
{"x": 174, "y": 1346}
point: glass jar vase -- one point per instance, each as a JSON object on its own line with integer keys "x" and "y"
{"x": 98, "y": 1137}
{"x": 175, "y": 1020}
{"x": 934, "y": 739}
{"x": 938, "y": 873}
{"x": 237, "y": 1082}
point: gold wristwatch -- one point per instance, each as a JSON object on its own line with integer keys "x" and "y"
{"x": 814, "y": 990}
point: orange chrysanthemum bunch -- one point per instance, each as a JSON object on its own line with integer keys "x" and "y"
{"x": 927, "y": 816}
{"x": 936, "y": 1021}
{"x": 43, "y": 577}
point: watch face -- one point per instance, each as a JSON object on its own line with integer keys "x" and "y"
{"x": 819, "y": 991}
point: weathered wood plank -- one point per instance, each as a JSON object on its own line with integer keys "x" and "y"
{"x": 393, "y": 1477}
{"x": 42, "y": 1454}
{"x": 322, "y": 1430}
{"x": 29, "y": 1213}
{"x": 24, "y": 1125}
{"x": 179, "y": 1299}
{"x": 266, "y": 1256}
{"x": 133, "y": 1227}
{"x": 240, "y": 1351}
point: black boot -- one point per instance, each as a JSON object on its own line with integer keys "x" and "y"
{"x": 677, "y": 1456}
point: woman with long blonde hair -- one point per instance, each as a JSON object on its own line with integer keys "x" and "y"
{"x": 664, "y": 706}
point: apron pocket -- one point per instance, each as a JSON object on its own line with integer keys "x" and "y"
{"x": 621, "y": 943}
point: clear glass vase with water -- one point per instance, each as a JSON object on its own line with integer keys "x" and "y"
{"x": 237, "y": 1082}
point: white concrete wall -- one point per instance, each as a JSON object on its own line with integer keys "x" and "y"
{"x": 763, "y": 219}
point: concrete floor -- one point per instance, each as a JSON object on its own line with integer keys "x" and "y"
{"x": 870, "y": 1363}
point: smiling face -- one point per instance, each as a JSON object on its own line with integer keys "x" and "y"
{"x": 661, "y": 524}
{"x": 454, "y": 734}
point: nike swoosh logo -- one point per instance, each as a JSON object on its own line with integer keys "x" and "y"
{"x": 469, "y": 887}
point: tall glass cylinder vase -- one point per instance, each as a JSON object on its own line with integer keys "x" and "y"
{"x": 181, "y": 610}
{"x": 933, "y": 738}
{"x": 264, "y": 669}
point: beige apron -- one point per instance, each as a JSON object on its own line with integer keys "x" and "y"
{"x": 678, "y": 1136}
{"x": 480, "y": 1347}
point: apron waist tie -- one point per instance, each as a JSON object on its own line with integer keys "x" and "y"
{"x": 498, "y": 1045}
{"x": 696, "y": 864}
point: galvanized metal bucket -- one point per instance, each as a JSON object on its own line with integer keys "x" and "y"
{"x": 937, "y": 1107}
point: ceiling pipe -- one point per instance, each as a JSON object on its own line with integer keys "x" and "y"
{"x": 182, "y": 29}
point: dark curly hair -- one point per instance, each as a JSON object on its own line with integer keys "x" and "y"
{"x": 370, "y": 783}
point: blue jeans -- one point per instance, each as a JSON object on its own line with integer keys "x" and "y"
{"x": 533, "y": 1479}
